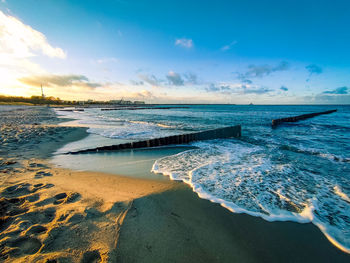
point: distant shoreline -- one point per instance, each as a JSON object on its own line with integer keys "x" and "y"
{"x": 155, "y": 104}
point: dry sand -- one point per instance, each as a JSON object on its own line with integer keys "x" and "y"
{"x": 58, "y": 215}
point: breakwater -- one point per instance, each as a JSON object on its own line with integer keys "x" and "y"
{"x": 227, "y": 132}
{"x": 300, "y": 117}
{"x": 143, "y": 108}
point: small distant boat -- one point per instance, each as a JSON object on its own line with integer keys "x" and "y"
{"x": 251, "y": 103}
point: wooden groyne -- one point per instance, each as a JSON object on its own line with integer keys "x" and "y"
{"x": 71, "y": 110}
{"x": 300, "y": 117}
{"x": 227, "y": 132}
{"x": 143, "y": 108}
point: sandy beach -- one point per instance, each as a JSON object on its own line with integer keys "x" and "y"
{"x": 51, "y": 214}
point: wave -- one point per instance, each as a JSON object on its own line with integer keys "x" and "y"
{"x": 315, "y": 152}
{"x": 245, "y": 179}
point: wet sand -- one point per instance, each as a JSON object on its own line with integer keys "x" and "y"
{"x": 52, "y": 214}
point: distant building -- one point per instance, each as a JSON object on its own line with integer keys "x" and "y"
{"x": 124, "y": 102}
{"x": 139, "y": 102}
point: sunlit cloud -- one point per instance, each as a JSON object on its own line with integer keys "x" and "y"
{"x": 19, "y": 43}
{"x": 184, "y": 42}
{"x": 60, "y": 81}
{"x": 79, "y": 87}
{"x": 22, "y": 41}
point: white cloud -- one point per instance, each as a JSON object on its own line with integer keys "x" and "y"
{"x": 184, "y": 42}
{"x": 19, "y": 43}
{"x": 22, "y": 41}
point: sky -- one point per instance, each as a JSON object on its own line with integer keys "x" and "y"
{"x": 239, "y": 52}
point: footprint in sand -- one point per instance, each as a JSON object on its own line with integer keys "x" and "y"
{"x": 5, "y": 222}
{"x": 23, "y": 225}
{"x": 32, "y": 198}
{"x": 41, "y": 174}
{"x": 59, "y": 198}
{"x": 41, "y": 216}
{"x": 37, "y": 165}
{"x": 66, "y": 198}
{"x": 73, "y": 197}
{"x": 17, "y": 190}
{"x": 35, "y": 230}
{"x": 25, "y": 245}
{"x": 17, "y": 211}
{"x": 47, "y": 186}
{"x": 42, "y": 186}
{"x": 11, "y": 206}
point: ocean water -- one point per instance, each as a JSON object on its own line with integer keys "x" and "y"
{"x": 297, "y": 172}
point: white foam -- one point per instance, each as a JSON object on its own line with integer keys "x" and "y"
{"x": 244, "y": 179}
{"x": 111, "y": 126}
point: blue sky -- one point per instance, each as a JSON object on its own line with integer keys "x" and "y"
{"x": 265, "y": 52}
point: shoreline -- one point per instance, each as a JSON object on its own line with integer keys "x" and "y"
{"x": 97, "y": 216}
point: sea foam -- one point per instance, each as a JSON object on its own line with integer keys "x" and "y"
{"x": 249, "y": 179}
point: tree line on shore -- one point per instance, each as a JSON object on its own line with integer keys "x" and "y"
{"x": 36, "y": 100}
{"x": 40, "y": 100}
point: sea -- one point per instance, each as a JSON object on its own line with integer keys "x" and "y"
{"x": 293, "y": 172}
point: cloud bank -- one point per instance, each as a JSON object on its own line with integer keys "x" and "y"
{"x": 60, "y": 81}
{"x": 237, "y": 89}
{"x": 265, "y": 70}
{"x": 260, "y": 71}
{"x": 337, "y": 91}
